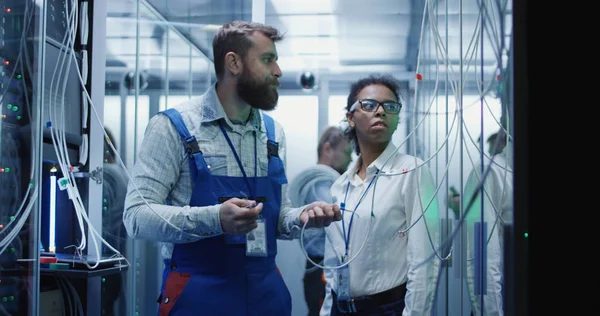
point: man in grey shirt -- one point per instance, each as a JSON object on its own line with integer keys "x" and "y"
{"x": 334, "y": 153}
{"x": 210, "y": 171}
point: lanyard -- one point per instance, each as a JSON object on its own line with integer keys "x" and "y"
{"x": 343, "y": 207}
{"x": 239, "y": 162}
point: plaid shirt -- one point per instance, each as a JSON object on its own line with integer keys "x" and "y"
{"x": 162, "y": 173}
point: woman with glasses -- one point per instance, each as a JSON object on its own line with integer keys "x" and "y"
{"x": 379, "y": 259}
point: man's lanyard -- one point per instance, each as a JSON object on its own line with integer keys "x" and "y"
{"x": 239, "y": 162}
{"x": 343, "y": 207}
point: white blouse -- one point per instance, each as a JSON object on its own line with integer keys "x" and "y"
{"x": 390, "y": 241}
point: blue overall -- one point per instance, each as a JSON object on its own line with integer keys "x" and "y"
{"x": 211, "y": 276}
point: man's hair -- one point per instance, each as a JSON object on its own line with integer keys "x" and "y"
{"x": 497, "y": 141}
{"x": 498, "y": 135}
{"x": 332, "y": 135}
{"x": 235, "y": 37}
{"x": 375, "y": 79}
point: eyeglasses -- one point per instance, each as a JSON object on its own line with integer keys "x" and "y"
{"x": 369, "y": 105}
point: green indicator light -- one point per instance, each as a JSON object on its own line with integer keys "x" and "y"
{"x": 105, "y": 208}
{"x": 103, "y": 280}
{"x": 4, "y": 299}
{"x": 19, "y": 76}
{"x": 9, "y": 106}
{"x": 104, "y": 200}
{"x": 7, "y": 169}
{"x": 19, "y": 117}
{"x": 12, "y": 218}
{"x": 526, "y": 235}
{"x": 15, "y": 108}
{"x": 11, "y": 298}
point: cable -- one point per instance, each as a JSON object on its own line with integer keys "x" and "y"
{"x": 30, "y": 197}
{"x": 417, "y": 164}
{"x": 59, "y": 139}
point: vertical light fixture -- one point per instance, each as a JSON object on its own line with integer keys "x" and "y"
{"x": 52, "y": 228}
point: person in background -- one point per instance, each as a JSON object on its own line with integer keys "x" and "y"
{"x": 491, "y": 209}
{"x": 334, "y": 153}
{"x": 212, "y": 170}
{"x": 495, "y": 146}
{"x": 380, "y": 259}
{"x": 496, "y": 143}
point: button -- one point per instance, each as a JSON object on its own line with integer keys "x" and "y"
{"x": 166, "y": 300}
{"x": 173, "y": 266}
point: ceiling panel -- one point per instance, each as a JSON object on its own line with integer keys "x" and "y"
{"x": 305, "y": 7}
{"x": 359, "y": 8}
{"x": 309, "y": 46}
{"x": 193, "y": 9}
{"x": 369, "y": 25}
{"x": 305, "y": 25}
{"x": 320, "y": 35}
{"x": 365, "y": 48}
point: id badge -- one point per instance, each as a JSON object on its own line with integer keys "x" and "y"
{"x": 256, "y": 240}
{"x": 343, "y": 283}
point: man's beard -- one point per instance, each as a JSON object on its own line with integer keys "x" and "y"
{"x": 260, "y": 96}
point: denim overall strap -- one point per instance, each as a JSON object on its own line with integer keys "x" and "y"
{"x": 219, "y": 276}
{"x": 197, "y": 164}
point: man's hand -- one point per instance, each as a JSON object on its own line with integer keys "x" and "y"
{"x": 320, "y": 214}
{"x": 238, "y": 217}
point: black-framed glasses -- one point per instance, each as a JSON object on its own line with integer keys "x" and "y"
{"x": 370, "y": 105}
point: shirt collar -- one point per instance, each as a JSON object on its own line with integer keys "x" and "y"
{"x": 381, "y": 160}
{"x": 378, "y": 164}
{"x": 212, "y": 110}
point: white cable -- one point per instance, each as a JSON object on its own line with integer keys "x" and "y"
{"x": 326, "y": 234}
{"x": 473, "y": 44}
{"x": 75, "y": 192}
{"x": 58, "y": 138}
{"x": 462, "y": 218}
{"x": 59, "y": 142}
{"x": 30, "y": 197}
{"x": 84, "y": 34}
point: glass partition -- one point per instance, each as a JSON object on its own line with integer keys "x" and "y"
{"x": 461, "y": 122}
